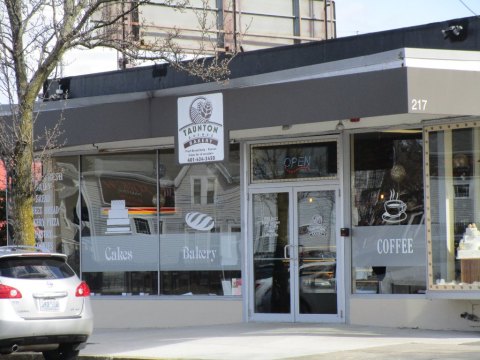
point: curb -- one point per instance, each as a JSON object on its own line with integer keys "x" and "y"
{"x": 38, "y": 356}
{"x": 109, "y": 357}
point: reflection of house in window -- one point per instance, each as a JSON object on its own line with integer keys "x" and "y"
{"x": 141, "y": 226}
{"x": 203, "y": 190}
{"x": 462, "y": 189}
{"x": 235, "y": 228}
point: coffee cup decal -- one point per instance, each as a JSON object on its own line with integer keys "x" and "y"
{"x": 317, "y": 228}
{"x": 395, "y": 209}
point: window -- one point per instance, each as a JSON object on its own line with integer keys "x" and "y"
{"x": 293, "y": 161}
{"x": 120, "y": 249}
{"x": 388, "y": 237}
{"x": 35, "y": 268}
{"x": 452, "y": 166}
{"x": 200, "y": 239}
{"x": 147, "y": 225}
{"x": 141, "y": 226}
{"x": 210, "y": 191}
{"x": 197, "y": 191}
{"x": 56, "y": 220}
{"x": 203, "y": 190}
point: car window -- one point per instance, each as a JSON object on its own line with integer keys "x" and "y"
{"x": 35, "y": 268}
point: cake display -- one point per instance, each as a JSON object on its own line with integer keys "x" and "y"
{"x": 118, "y": 221}
{"x": 469, "y": 246}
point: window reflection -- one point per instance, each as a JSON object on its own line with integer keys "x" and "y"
{"x": 270, "y": 248}
{"x": 57, "y": 227}
{"x": 122, "y": 283}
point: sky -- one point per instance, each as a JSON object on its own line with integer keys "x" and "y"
{"x": 366, "y": 16}
{"x": 354, "y": 17}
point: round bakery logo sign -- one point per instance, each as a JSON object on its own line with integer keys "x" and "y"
{"x": 200, "y": 129}
{"x": 200, "y": 110}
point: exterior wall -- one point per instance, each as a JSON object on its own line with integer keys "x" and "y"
{"x": 409, "y": 312}
{"x": 424, "y": 313}
{"x": 149, "y": 313}
{"x": 252, "y": 107}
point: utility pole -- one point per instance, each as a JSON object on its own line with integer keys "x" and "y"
{"x": 326, "y": 18}
{"x": 235, "y": 25}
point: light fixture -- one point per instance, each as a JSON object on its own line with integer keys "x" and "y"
{"x": 340, "y": 126}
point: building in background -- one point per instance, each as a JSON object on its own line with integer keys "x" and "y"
{"x": 240, "y": 25}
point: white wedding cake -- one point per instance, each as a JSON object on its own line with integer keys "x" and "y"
{"x": 118, "y": 221}
{"x": 469, "y": 246}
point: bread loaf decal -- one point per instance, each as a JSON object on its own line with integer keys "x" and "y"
{"x": 199, "y": 221}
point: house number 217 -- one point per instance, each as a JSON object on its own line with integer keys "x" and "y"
{"x": 419, "y": 104}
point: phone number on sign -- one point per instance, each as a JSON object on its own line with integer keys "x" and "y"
{"x": 201, "y": 158}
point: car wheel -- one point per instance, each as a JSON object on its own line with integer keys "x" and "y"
{"x": 62, "y": 353}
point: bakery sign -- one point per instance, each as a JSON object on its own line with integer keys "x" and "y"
{"x": 200, "y": 129}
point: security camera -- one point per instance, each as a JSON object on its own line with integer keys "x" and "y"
{"x": 453, "y": 32}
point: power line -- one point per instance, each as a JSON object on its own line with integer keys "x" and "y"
{"x": 469, "y": 9}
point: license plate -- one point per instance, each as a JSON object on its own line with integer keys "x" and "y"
{"x": 49, "y": 305}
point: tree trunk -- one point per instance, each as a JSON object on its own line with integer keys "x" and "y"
{"x": 22, "y": 192}
{"x": 24, "y": 232}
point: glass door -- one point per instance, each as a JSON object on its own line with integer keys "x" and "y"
{"x": 316, "y": 267}
{"x": 295, "y": 267}
{"x": 272, "y": 251}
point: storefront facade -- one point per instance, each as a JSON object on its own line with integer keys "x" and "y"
{"x": 337, "y": 191}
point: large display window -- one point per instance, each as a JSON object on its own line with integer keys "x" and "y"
{"x": 452, "y": 165}
{"x": 56, "y": 209}
{"x": 120, "y": 248}
{"x": 200, "y": 227}
{"x": 388, "y": 232}
{"x": 141, "y": 224}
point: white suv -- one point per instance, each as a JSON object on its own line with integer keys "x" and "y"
{"x": 44, "y": 306}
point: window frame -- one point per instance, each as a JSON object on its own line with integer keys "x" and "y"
{"x": 373, "y": 286}
{"x": 447, "y": 290}
{"x": 318, "y": 142}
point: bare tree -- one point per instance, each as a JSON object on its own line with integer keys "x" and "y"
{"x": 34, "y": 35}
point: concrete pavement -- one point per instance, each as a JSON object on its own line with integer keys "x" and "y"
{"x": 261, "y": 341}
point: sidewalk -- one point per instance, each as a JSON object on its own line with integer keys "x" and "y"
{"x": 260, "y": 341}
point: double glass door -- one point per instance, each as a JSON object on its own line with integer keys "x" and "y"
{"x": 294, "y": 255}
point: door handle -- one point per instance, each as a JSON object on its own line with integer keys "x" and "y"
{"x": 285, "y": 255}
